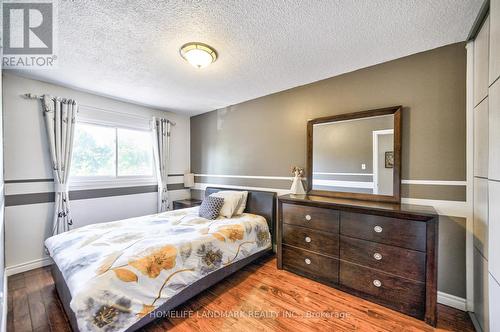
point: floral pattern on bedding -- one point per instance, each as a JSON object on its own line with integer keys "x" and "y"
{"x": 118, "y": 272}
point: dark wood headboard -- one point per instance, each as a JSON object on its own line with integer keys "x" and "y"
{"x": 262, "y": 203}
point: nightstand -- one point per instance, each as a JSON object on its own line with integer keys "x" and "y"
{"x": 185, "y": 203}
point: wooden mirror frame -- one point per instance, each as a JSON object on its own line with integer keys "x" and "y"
{"x": 396, "y": 196}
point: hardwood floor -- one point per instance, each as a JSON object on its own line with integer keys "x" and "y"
{"x": 257, "y": 298}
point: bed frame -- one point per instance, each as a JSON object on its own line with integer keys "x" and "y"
{"x": 258, "y": 202}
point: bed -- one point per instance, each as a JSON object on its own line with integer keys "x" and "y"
{"x": 122, "y": 275}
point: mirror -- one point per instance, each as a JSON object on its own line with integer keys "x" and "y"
{"x": 356, "y": 155}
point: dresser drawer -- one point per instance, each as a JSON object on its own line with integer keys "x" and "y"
{"x": 310, "y": 239}
{"x": 311, "y": 265}
{"x": 398, "y": 232}
{"x": 394, "y": 292}
{"x": 312, "y": 217}
{"x": 405, "y": 263}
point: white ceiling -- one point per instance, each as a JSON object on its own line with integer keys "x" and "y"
{"x": 130, "y": 50}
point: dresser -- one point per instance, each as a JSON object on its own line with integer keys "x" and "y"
{"x": 383, "y": 252}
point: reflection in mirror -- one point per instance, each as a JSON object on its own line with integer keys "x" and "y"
{"x": 355, "y": 156}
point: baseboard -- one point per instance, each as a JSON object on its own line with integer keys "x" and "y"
{"x": 23, "y": 267}
{"x": 452, "y": 301}
{"x": 3, "y": 328}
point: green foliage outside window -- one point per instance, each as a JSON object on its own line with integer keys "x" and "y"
{"x": 95, "y": 147}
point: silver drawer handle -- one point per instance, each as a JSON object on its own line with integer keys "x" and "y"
{"x": 308, "y": 239}
{"x": 377, "y": 283}
{"x": 377, "y": 256}
{"x": 377, "y": 229}
{"x": 308, "y": 261}
{"x": 308, "y": 217}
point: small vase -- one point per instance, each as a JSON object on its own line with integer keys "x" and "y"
{"x": 297, "y": 188}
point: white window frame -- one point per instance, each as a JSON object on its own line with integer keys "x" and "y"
{"x": 87, "y": 115}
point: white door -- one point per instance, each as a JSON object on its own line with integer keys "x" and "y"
{"x": 383, "y": 142}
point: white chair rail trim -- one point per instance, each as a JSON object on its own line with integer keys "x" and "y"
{"x": 266, "y": 177}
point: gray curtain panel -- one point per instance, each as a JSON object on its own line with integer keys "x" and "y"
{"x": 161, "y": 131}
{"x": 60, "y": 116}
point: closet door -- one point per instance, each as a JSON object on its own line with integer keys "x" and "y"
{"x": 494, "y": 228}
{"x": 481, "y": 309}
{"x": 481, "y": 216}
{"x": 494, "y": 167}
{"x": 481, "y": 138}
{"x": 481, "y": 55}
{"x": 494, "y": 304}
{"x": 494, "y": 131}
{"x": 481, "y": 165}
{"x": 494, "y": 40}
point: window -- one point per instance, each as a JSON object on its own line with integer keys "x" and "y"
{"x": 135, "y": 153}
{"x": 106, "y": 153}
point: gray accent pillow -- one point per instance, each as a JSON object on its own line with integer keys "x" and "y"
{"x": 210, "y": 207}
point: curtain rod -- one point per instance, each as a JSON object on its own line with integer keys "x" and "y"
{"x": 33, "y": 96}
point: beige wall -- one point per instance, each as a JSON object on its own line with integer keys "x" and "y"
{"x": 265, "y": 136}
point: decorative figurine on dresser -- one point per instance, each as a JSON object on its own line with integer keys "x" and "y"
{"x": 349, "y": 230}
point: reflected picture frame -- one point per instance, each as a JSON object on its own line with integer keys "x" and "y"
{"x": 389, "y": 159}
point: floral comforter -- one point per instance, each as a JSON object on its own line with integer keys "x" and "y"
{"x": 120, "y": 271}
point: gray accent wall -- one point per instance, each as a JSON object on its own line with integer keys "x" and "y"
{"x": 451, "y": 266}
{"x": 267, "y": 135}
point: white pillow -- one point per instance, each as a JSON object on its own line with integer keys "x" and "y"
{"x": 243, "y": 202}
{"x": 232, "y": 202}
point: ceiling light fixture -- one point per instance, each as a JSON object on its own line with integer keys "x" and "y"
{"x": 198, "y": 54}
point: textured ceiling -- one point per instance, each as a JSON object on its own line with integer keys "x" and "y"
{"x": 130, "y": 49}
